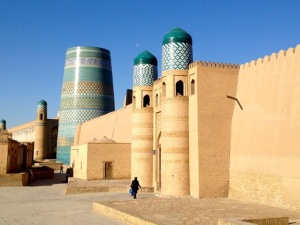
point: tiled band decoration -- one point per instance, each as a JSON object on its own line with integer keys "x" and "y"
{"x": 89, "y": 103}
{"x": 103, "y": 63}
{"x": 144, "y": 75}
{"x": 176, "y": 56}
{"x": 83, "y": 88}
{"x": 87, "y": 93}
{"x": 41, "y": 107}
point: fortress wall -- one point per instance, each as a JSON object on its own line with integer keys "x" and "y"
{"x": 115, "y": 125}
{"x": 193, "y": 136}
{"x": 118, "y": 154}
{"x": 265, "y": 156}
{"x": 212, "y": 146}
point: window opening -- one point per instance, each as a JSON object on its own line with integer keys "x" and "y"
{"x": 179, "y": 88}
{"x": 146, "y": 101}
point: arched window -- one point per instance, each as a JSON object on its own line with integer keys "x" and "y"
{"x": 156, "y": 100}
{"x": 179, "y": 88}
{"x": 163, "y": 89}
{"x": 193, "y": 87}
{"x": 41, "y": 116}
{"x": 146, "y": 101}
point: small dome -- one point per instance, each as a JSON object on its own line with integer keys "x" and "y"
{"x": 2, "y": 121}
{"x": 177, "y": 35}
{"x": 42, "y": 102}
{"x": 145, "y": 57}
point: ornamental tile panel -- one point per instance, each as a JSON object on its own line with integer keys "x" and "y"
{"x": 93, "y": 62}
{"x": 144, "y": 75}
{"x": 176, "y": 56}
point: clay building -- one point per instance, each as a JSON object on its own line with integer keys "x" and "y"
{"x": 42, "y": 132}
{"x": 202, "y": 129}
{"x": 199, "y": 129}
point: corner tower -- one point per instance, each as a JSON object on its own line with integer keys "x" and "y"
{"x": 2, "y": 125}
{"x": 176, "y": 56}
{"x": 145, "y": 72}
{"x": 40, "y": 140}
{"x": 87, "y": 93}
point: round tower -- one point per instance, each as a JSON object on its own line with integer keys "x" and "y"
{"x": 144, "y": 73}
{"x": 2, "y": 125}
{"x": 176, "y": 57}
{"x": 87, "y": 93}
{"x": 40, "y": 140}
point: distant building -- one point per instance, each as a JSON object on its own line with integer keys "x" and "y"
{"x": 42, "y": 132}
{"x": 16, "y": 158}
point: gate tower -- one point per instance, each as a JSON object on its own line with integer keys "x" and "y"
{"x": 145, "y": 72}
{"x": 176, "y": 57}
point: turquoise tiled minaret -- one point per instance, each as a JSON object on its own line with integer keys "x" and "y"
{"x": 144, "y": 73}
{"x": 2, "y": 125}
{"x": 177, "y": 51}
{"x": 144, "y": 69}
{"x": 87, "y": 92}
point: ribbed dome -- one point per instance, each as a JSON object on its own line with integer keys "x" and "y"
{"x": 177, "y": 35}
{"x": 42, "y": 102}
{"x": 145, "y": 57}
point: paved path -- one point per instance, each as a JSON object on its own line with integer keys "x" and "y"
{"x": 45, "y": 203}
{"x": 48, "y": 205}
{"x": 189, "y": 211}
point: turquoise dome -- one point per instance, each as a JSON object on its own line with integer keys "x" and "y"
{"x": 42, "y": 102}
{"x": 177, "y": 35}
{"x": 2, "y": 121}
{"x": 145, "y": 57}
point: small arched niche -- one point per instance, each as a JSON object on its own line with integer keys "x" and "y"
{"x": 192, "y": 87}
{"x": 179, "y": 88}
{"x": 133, "y": 102}
{"x": 163, "y": 89}
{"x": 146, "y": 101}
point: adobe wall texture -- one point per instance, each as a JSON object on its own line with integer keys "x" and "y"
{"x": 210, "y": 117}
{"x": 118, "y": 154}
{"x": 141, "y": 145}
{"x": 14, "y": 179}
{"x": 115, "y": 125}
{"x": 88, "y": 160}
{"x": 265, "y": 157}
{"x": 78, "y": 160}
{"x": 3, "y": 158}
{"x": 175, "y": 146}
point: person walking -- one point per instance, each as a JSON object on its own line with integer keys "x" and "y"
{"x": 61, "y": 169}
{"x": 135, "y": 186}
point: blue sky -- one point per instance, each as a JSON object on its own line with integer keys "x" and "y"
{"x": 35, "y": 34}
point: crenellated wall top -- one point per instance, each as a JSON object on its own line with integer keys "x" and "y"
{"x": 273, "y": 57}
{"x": 214, "y": 65}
